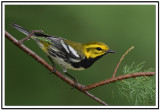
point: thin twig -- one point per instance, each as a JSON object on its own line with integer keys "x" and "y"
{"x": 122, "y": 59}
{"x": 50, "y": 68}
{"x": 132, "y": 75}
{"x": 26, "y": 38}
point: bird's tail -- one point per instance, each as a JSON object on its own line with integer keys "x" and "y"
{"x": 21, "y": 29}
{"x": 26, "y": 32}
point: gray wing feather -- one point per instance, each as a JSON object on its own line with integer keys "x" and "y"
{"x": 65, "y": 51}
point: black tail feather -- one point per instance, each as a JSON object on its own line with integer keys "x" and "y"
{"x": 20, "y": 28}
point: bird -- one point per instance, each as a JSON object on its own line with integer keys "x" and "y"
{"x": 68, "y": 54}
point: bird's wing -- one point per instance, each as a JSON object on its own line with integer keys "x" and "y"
{"x": 64, "y": 50}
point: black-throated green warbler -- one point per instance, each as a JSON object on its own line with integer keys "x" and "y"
{"x": 69, "y": 54}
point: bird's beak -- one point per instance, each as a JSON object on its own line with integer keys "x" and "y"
{"x": 110, "y": 51}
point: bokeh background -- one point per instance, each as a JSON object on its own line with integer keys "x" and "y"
{"x": 119, "y": 26}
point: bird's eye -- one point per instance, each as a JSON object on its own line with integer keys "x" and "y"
{"x": 98, "y": 48}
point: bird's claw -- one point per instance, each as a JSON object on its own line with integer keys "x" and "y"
{"x": 75, "y": 84}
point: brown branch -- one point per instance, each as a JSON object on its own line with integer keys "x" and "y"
{"x": 122, "y": 59}
{"x": 50, "y": 68}
{"x": 132, "y": 75}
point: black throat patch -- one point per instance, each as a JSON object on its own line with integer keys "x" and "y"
{"x": 85, "y": 63}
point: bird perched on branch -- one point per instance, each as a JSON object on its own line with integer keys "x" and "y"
{"x": 68, "y": 54}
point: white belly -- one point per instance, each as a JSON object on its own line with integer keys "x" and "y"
{"x": 65, "y": 65}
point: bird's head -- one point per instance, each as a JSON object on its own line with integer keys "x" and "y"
{"x": 95, "y": 49}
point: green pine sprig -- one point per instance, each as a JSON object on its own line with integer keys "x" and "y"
{"x": 45, "y": 40}
{"x": 139, "y": 90}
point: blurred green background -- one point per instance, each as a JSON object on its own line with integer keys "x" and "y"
{"x": 119, "y": 26}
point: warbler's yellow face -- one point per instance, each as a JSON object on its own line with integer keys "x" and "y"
{"x": 95, "y": 49}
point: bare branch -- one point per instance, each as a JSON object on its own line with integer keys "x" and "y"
{"x": 50, "y": 68}
{"x": 113, "y": 79}
{"x": 95, "y": 98}
{"x": 122, "y": 59}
